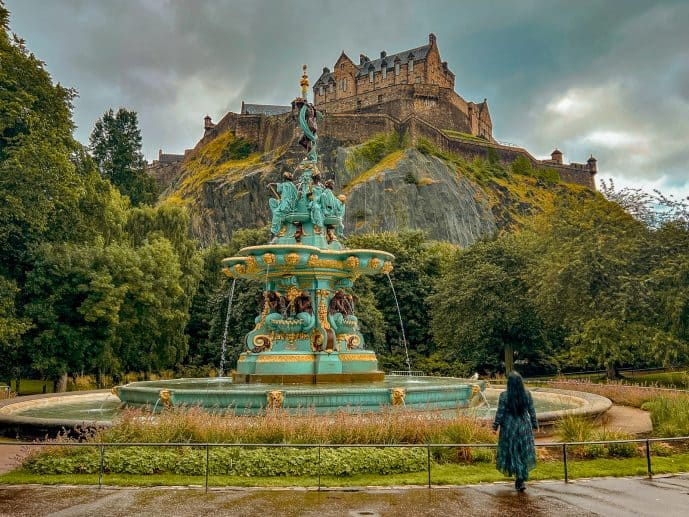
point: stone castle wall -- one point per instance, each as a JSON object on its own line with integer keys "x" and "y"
{"x": 345, "y": 129}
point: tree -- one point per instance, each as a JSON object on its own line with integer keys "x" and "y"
{"x": 481, "y": 309}
{"x": 115, "y": 145}
{"x": 39, "y": 184}
{"x": 209, "y": 306}
{"x": 586, "y": 280}
{"x": 418, "y": 262}
{"x": 12, "y": 328}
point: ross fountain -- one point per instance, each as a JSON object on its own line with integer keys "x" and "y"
{"x": 306, "y": 351}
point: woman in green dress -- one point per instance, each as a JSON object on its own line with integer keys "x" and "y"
{"x": 516, "y": 419}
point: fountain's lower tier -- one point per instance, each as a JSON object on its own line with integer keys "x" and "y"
{"x": 224, "y": 395}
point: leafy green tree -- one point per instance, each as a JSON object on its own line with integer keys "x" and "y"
{"x": 39, "y": 184}
{"x": 482, "y": 312}
{"x": 585, "y": 282}
{"x": 12, "y": 328}
{"x": 417, "y": 264}
{"x": 115, "y": 145}
{"x": 209, "y": 306}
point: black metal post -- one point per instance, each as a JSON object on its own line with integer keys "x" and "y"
{"x": 648, "y": 458}
{"x": 207, "y": 449}
{"x": 564, "y": 457}
{"x": 319, "y": 467}
{"x": 428, "y": 451}
{"x": 100, "y": 468}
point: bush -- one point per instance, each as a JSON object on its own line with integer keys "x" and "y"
{"x": 669, "y": 415}
{"x": 231, "y": 461}
{"x": 661, "y": 449}
{"x": 375, "y": 149}
{"x": 575, "y": 429}
{"x": 237, "y": 149}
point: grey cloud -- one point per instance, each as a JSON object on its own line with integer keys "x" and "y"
{"x": 173, "y": 61}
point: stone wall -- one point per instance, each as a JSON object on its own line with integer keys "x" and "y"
{"x": 271, "y": 132}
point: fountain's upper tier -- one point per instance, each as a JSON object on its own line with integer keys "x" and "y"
{"x": 276, "y": 259}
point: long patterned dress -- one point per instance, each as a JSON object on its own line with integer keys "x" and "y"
{"x": 516, "y": 450}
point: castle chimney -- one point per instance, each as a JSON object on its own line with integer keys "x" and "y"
{"x": 383, "y": 54}
{"x": 363, "y": 59}
{"x": 593, "y": 165}
{"x": 326, "y": 70}
{"x": 431, "y": 38}
{"x": 207, "y": 123}
{"x": 556, "y": 156}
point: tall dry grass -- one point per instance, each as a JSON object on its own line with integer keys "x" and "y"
{"x": 619, "y": 393}
{"x": 195, "y": 425}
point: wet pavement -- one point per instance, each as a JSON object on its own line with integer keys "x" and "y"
{"x": 666, "y": 495}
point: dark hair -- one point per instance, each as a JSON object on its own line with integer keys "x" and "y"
{"x": 517, "y": 396}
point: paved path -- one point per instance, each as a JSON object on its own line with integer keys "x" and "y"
{"x": 667, "y": 496}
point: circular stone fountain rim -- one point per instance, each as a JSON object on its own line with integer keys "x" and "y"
{"x": 594, "y": 406}
{"x": 8, "y": 416}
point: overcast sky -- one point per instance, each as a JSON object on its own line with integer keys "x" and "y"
{"x": 604, "y": 77}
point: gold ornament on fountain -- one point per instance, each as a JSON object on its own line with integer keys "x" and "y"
{"x": 397, "y": 396}
{"x": 374, "y": 263}
{"x": 269, "y": 258}
{"x": 275, "y": 399}
{"x": 387, "y": 267}
{"x": 165, "y": 397}
{"x": 292, "y": 259}
{"x": 352, "y": 262}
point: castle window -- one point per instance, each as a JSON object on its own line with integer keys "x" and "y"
{"x": 397, "y": 69}
{"x": 358, "y": 104}
{"x": 321, "y": 91}
{"x": 332, "y": 88}
{"x": 370, "y": 76}
{"x": 384, "y": 69}
{"x": 380, "y": 99}
{"x": 418, "y": 79}
{"x": 343, "y": 85}
{"x": 342, "y": 66}
{"x": 411, "y": 65}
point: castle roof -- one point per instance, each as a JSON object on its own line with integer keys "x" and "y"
{"x": 404, "y": 57}
{"x": 364, "y": 67}
{"x": 264, "y": 109}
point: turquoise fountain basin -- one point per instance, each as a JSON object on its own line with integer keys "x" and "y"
{"x": 221, "y": 394}
{"x": 46, "y": 415}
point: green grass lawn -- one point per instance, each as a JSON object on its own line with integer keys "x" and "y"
{"x": 32, "y": 387}
{"x": 446, "y": 474}
{"x": 662, "y": 379}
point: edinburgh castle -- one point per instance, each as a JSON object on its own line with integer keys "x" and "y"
{"x": 410, "y": 92}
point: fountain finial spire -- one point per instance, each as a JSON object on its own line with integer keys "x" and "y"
{"x": 304, "y": 82}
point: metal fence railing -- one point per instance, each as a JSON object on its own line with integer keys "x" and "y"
{"x": 563, "y": 446}
{"x": 408, "y": 373}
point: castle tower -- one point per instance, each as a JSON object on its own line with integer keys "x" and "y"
{"x": 592, "y": 164}
{"x": 556, "y": 156}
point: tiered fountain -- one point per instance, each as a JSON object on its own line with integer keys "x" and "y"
{"x": 306, "y": 350}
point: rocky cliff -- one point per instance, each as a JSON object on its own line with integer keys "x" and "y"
{"x": 393, "y": 188}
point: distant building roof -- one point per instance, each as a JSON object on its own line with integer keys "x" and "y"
{"x": 264, "y": 109}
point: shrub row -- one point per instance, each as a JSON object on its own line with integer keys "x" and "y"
{"x": 250, "y": 462}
